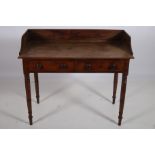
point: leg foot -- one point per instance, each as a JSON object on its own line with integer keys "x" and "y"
{"x": 120, "y": 119}
{"x": 38, "y": 101}
{"x": 30, "y": 120}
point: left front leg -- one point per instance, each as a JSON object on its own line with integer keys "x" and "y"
{"x": 122, "y": 97}
{"x": 28, "y": 96}
{"x": 36, "y": 86}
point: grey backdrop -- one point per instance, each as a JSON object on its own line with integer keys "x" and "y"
{"x": 64, "y": 96}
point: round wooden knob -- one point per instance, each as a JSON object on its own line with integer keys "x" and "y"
{"x": 112, "y": 67}
{"x": 63, "y": 66}
{"x": 88, "y": 67}
{"x": 39, "y": 66}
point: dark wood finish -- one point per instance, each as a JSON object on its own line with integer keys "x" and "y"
{"x": 76, "y": 44}
{"x": 75, "y": 51}
{"x": 122, "y": 97}
{"x": 115, "y": 87}
{"x": 73, "y": 65}
{"x": 50, "y": 65}
{"x": 28, "y": 96}
{"x": 36, "y": 86}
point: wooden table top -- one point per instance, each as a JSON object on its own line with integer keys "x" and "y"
{"x": 75, "y": 44}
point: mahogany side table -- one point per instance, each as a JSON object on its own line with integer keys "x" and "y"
{"x": 75, "y": 51}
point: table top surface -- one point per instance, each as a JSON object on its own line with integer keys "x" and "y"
{"x": 75, "y": 44}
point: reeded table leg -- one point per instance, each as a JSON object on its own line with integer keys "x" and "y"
{"x": 28, "y": 96}
{"x": 122, "y": 97}
{"x": 115, "y": 87}
{"x": 36, "y": 86}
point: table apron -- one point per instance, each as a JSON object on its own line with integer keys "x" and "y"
{"x": 76, "y": 66}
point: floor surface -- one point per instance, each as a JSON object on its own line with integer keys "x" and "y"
{"x": 77, "y": 101}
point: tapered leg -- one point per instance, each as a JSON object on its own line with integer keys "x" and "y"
{"x": 36, "y": 86}
{"x": 28, "y": 96}
{"x": 122, "y": 97}
{"x": 115, "y": 87}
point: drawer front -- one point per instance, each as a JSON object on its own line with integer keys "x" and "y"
{"x": 77, "y": 66}
{"x": 51, "y": 66}
{"x": 109, "y": 66}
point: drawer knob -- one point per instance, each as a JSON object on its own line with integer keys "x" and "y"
{"x": 112, "y": 67}
{"x": 88, "y": 67}
{"x": 63, "y": 66}
{"x": 39, "y": 66}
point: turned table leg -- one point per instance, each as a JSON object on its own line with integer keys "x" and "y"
{"x": 28, "y": 96}
{"x": 115, "y": 87}
{"x": 122, "y": 97}
{"x": 36, "y": 86}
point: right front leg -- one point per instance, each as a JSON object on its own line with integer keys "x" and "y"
{"x": 115, "y": 87}
{"x": 28, "y": 96}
